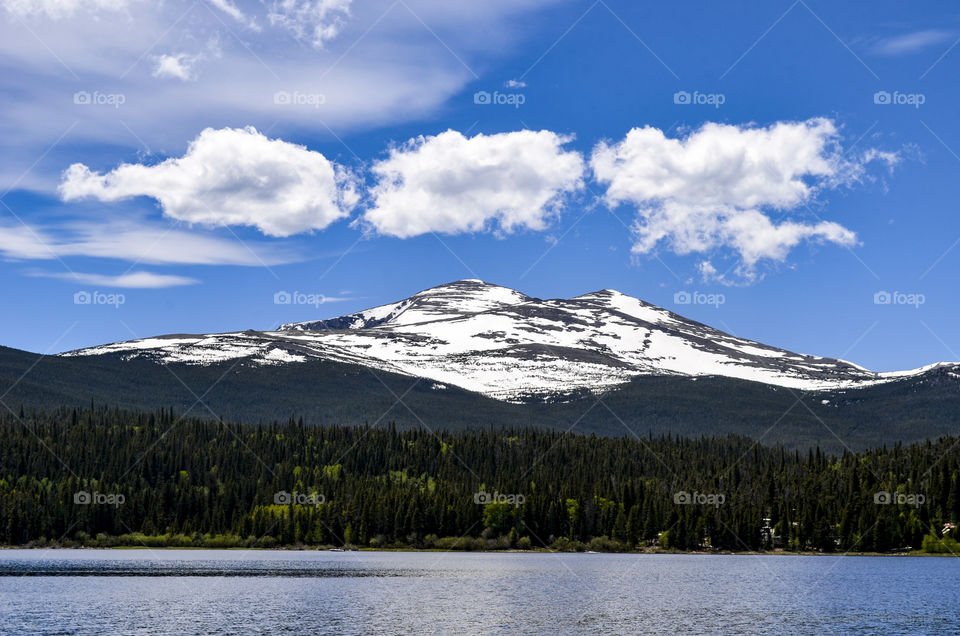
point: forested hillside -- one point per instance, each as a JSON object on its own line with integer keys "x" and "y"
{"x": 108, "y": 477}
{"x": 327, "y": 393}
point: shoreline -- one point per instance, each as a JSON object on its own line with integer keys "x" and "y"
{"x": 912, "y": 553}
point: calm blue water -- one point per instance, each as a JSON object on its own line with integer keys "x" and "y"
{"x": 240, "y": 592}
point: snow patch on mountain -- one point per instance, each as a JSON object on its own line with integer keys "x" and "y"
{"x": 504, "y": 344}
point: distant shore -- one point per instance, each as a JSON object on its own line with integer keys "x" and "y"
{"x": 652, "y": 551}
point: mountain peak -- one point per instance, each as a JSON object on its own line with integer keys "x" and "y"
{"x": 497, "y": 341}
{"x": 603, "y": 293}
{"x": 462, "y": 297}
{"x": 451, "y": 300}
{"x": 462, "y": 284}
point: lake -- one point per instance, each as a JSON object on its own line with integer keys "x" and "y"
{"x": 242, "y": 592}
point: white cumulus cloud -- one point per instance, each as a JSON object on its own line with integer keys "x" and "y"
{"x": 715, "y": 187}
{"x": 183, "y": 66}
{"x": 231, "y": 176}
{"x": 451, "y": 184}
{"x": 178, "y": 66}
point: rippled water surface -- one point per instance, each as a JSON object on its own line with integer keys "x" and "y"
{"x": 240, "y": 592}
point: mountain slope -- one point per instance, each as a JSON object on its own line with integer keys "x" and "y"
{"x": 326, "y": 392}
{"x": 506, "y": 345}
{"x": 469, "y": 354}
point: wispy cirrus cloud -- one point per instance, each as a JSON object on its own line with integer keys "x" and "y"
{"x": 381, "y": 62}
{"x": 315, "y": 21}
{"x": 907, "y": 43}
{"x": 57, "y": 9}
{"x": 230, "y": 9}
{"x": 136, "y": 243}
{"x": 130, "y": 280}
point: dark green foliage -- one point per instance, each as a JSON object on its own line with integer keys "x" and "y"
{"x": 188, "y": 481}
{"x": 323, "y": 392}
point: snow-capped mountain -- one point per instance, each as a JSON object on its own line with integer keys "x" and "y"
{"x": 504, "y": 344}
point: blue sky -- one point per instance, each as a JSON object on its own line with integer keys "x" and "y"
{"x": 182, "y": 163}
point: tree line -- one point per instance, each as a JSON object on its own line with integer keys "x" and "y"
{"x": 103, "y": 476}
